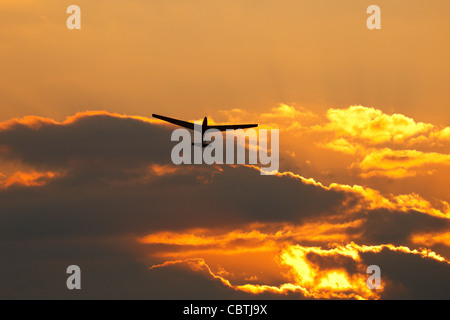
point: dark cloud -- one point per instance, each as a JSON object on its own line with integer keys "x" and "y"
{"x": 37, "y": 270}
{"x": 96, "y": 139}
{"x": 410, "y": 276}
{"x": 386, "y": 226}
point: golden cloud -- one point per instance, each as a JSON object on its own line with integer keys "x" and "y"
{"x": 432, "y": 238}
{"x": 311, "y": 271}
{"x": 373, "y": 138}
{"x": 373, "y": 125}
{"x": 399, "y": 163}
{"x": 373, "y": 199}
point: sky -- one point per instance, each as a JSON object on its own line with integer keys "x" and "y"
{"x": 86, "y": 176}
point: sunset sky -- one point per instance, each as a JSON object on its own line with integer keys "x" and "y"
{"x": 86, "y": 176}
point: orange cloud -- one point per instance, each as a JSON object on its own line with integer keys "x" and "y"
{"x": 28, "y": 179}
{"x": 316, "y": 280}
{"x": 161, "y": 170}
{"x": 29, "y": 121}
{"x": 398, "y": 163}
{"x": 373, "y": 199}
{"x": 37, "y": 122}
{"x": 284, "y": 116}
{"x": 341, "y": 145}
{"x": 309, "y": 270}
{"x": 432, "y": 238}
{"x": 370, "y": 135}
{"x": 256, "y": 237}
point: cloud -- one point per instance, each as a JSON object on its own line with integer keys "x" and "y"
{"x": 310, "y": 271}
{"x": 399, "y": 163}
{"x": 372, "y": 125}
{"x": 410, "y": 275}
{"x": 28, "y": 179}
{"x": 432, "y": 238}
{"x": 341, "y": 145}
{"x": 372, "y": 144}
{"x": 86, "y": 137}
{"x": 375, "y": 142}
{"x": 286, "y": 117}
{"x": 98, "y": 190}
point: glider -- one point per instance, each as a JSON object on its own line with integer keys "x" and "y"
{"x": 205, "y": 126}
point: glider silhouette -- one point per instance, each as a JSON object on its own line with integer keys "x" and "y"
{"x": 205, "y": 126}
